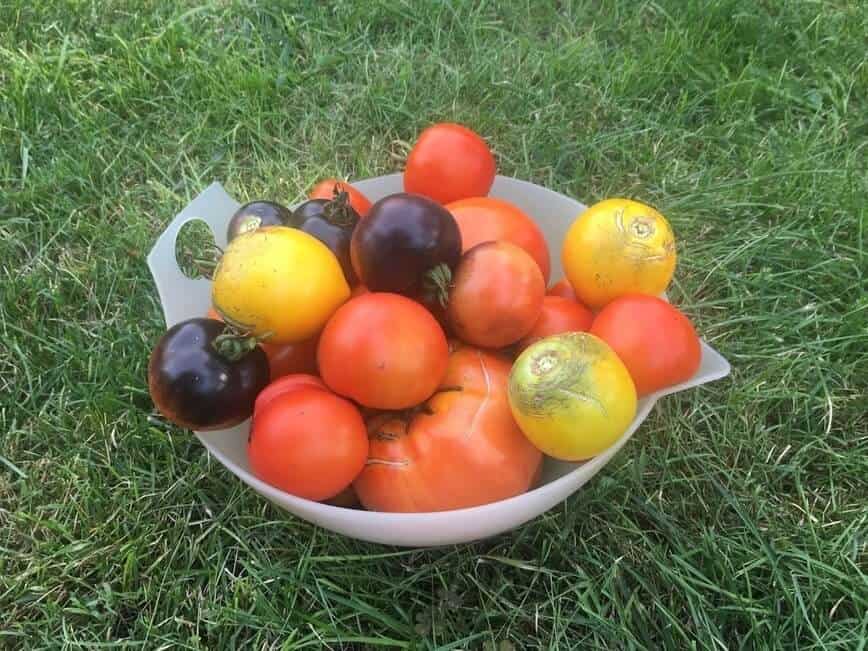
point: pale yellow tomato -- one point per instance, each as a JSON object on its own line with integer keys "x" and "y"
{"x": 280, "y": 283}
{"x": 571, "y": 396}
{"x": 616, "y": 247}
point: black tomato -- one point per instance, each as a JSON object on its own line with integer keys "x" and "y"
{"x": 197, "y": 386}
{"x": 252, "y": 215}
{"x": 331, "y": 222}
{"x": 404, "y": 244}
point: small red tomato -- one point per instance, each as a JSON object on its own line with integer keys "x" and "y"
{"x": 325, "y": 189}
{"x": 563, "y": 289}
{"x": 286, "y": 384}
{"x": 496, "y": 296}
{"x": 558, "y": 315}
{"x": 309, "y": 442}
{"x": 449, "y": 162}
{"x": 656, "y": 342}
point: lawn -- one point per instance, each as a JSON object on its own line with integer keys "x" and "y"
{"x": 737, "y": 517}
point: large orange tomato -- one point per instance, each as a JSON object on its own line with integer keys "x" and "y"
{"x": 496, "y": 296}
{"x": 656, "y": 342}
{"x": 383, "y": 350}
{"x": 618, "y": 247}
{"x": 485, "y": 219}
{"x": 463, "y": 449}
{"x": 325, "y": 189}
{"x": 557, "y": 315}
{"x": 449, "y": 162}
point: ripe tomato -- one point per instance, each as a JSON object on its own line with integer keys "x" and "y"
{"x": 463, "y": 450}
{"x": 617, "y": 247}
{"x": 496, "y": 296}
{"x": 278, "y": 282}
{"x": 557, "y": 315}
{"x": 308, "y": 442}
{"x": 563, "y": 289}
{"x": 449, "y": 162}
{"x": 485, "y": 219}
{"x": 383, "y": 351}
{"x": 325, "y": 189}
{"x": 285, "y": 359}
{"x": 656, "y": 342}
{"x": 571, "y": 395}
{"x": 286, "y": 384}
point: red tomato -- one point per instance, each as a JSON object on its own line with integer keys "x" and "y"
{"x": 496, "y": 296}
{"x": 325, "y": 190}
{"x": 286, "y": 384}
{"x": 463, "y": 450}
{"x": 563, "y": 289}
{"x": 308, "y": 442}
{"x": 485, "y": 219}
{"x": 656, "y": 342}
{"x": 383, "y": 351}
{"x": 285, "y": 359}
{"x": 449, "y": 162}
{"x": 557, "y": 315}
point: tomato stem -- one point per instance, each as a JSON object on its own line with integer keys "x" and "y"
{"x": 233, "y": 344}
{"x": 338, "y": 210}
{"x": 437, "y": 283}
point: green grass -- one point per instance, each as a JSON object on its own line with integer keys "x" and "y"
{"x": 736, "y": 518}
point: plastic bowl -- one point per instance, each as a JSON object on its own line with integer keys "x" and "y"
{"x": 183, "y": 298}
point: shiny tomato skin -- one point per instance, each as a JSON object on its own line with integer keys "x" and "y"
{"x": 558, "y": 315}
{"x": 656, "y": 342}
{"x": 286, "y": 384}
{"x": 384, "y": 351}
{"x": 563, "y": 289}
{"x": 449, "y": 162}
{"x": 496, "y": 296}
{"x": 486, "y": 219}
{"x": 309, "y": 443}
{"x": 325, "y": 190}
{"x": 464, "y": 449}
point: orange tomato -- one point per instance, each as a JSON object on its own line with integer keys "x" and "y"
{"x": 325, "y": 189}
{"x": 496, "y": 296}
{"x": 486, "y": 219}
{"x": 464, "y": 449}
{"x": 563, "y": 289}
{"x": 557, "y": 315}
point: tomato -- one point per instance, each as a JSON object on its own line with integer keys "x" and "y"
{"x": 308, "y": 442}
{"x": 279, "y": 283}
{"x": 255, "y": 214}
{"x": 485, "y": 219}
{"x": 325, "y": 189}
{"x": 197, "y": 386}
{"x": 558, "y": 315}
{"x": 656, "y": 342}
{"x": 563, "y": 289}
{"x": 617, "y": 247}
{"x": 571, "y": 396}
{"x": 464, "y": 449}
{"x": 404, "y": 239}
{"x": 449, "y": 162}
{"x": 332, "y": 223}
{"x": 286, "y": 384}
{"x": 384, "y": 351}
{"x": 496, "y": 295}
{"x": 285, "y": 359}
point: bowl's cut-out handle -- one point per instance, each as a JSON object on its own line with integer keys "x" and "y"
{"x": 183, "y": 297}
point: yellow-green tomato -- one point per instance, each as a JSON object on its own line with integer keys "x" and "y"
{"x": 571, "y": 395}
{"x": 279, "y": 282}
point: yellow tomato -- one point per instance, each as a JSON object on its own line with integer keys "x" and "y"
{"x": 281, "y": 281}
{"x": 616, "y": 247}
{"x": 571, "y": 396}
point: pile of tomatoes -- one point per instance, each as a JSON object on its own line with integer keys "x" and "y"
{"x": 410, "y": 353}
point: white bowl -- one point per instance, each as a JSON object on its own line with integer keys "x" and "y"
{"x": 183, "y": 298}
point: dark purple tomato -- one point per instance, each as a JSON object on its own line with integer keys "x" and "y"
{"x": 198, "y": 387}
{"x": 252, "y": 215}
{"x": 404, "y": 238}
{"x": 331, "y": 222}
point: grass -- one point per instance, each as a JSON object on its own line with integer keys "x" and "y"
{"x": 736, "y": 518}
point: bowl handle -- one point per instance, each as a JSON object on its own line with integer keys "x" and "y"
{"x": 183, "y": 297}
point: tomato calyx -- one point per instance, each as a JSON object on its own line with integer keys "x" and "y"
{"x": 236, "y": 341}
{"x": 437, "y": 283}
{"x": 338, "y": 210}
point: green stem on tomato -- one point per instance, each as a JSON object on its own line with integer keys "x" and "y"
{"x": 437, "y": 283}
